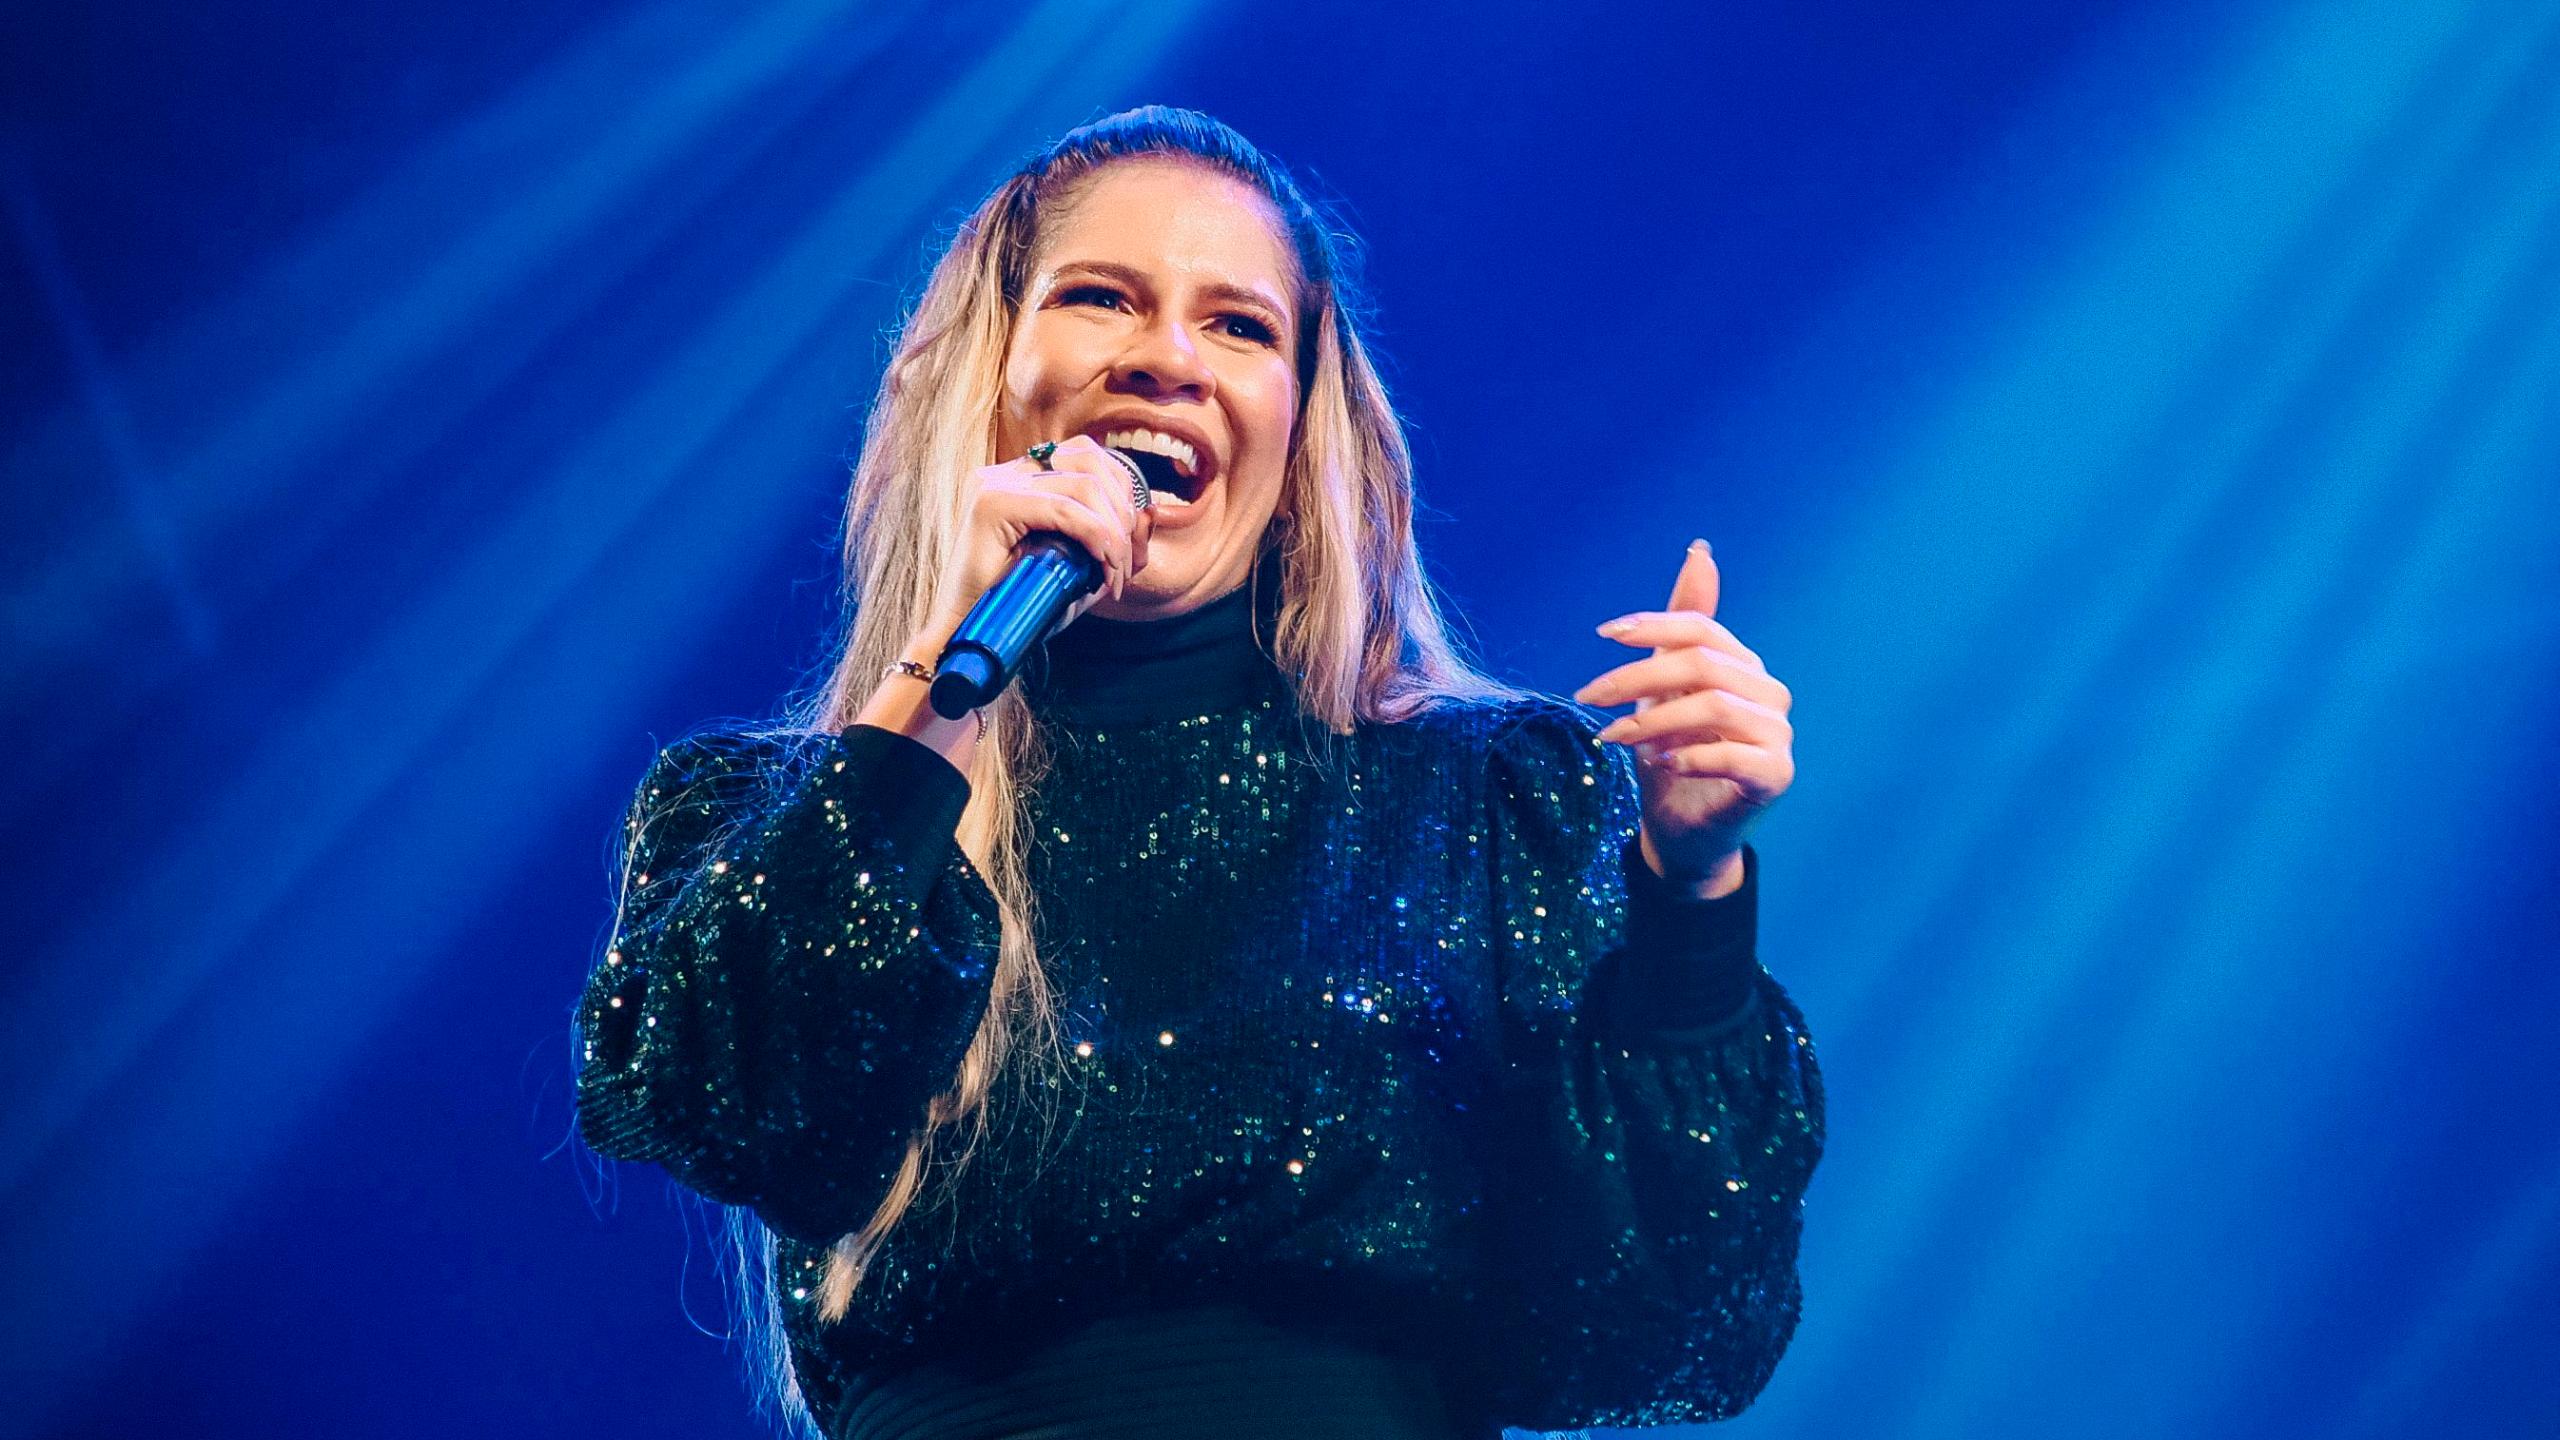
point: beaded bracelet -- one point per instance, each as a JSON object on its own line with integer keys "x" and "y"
{"x": 924, "y": 672}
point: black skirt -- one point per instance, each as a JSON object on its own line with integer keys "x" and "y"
{"x": 1210, "y": 1371}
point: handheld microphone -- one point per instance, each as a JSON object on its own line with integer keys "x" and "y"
{"x": 1049, "y": 574}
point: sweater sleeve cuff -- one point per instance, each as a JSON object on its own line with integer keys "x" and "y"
{"x": 1689, "y": 962}
{"x": 904, "y": 793}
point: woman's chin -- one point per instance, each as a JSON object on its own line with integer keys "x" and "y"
{"x": 1164, "y": 588}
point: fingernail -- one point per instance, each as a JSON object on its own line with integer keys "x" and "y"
{"x": 1619, "y": 626}
{"x": 1700, "y": 546}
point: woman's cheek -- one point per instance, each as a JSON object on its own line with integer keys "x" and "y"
{"x": 1272, "y": 403}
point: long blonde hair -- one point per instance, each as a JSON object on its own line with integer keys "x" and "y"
{"x": 1358, "y": 631}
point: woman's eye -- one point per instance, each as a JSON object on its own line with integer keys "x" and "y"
{"x": 1248, "y": 328}
{"x": 1089, "y": 295}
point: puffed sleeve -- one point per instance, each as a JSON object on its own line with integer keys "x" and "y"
{"x": 1660, "y": 1107}
{"x": 800, "y": 959}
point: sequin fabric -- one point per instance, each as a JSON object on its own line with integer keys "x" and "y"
{"x": 1390, "y": 1034}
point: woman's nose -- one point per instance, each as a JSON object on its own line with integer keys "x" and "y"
{"x": 1164, "y": 359}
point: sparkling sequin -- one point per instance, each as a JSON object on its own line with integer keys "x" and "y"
{"x": 1376, "y": 1029}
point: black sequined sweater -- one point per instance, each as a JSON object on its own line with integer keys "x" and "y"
{"x": 1391, "y": 1035}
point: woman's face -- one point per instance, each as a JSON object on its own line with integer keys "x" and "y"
{"x": 1161, "y": 300}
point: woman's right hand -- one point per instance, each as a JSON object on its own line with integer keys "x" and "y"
{"x": 1083, "y": 494}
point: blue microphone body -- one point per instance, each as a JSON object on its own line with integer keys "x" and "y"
{"x": 1049, "y": 574}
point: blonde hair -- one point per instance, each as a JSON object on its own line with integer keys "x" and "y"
{"x": 1358, "y": 632}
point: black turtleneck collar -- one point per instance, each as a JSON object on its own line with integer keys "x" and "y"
{"x": 1125, "y": 672}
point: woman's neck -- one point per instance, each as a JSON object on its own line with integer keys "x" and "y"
{"x": 1121, "y": 672}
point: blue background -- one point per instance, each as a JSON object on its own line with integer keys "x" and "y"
{"x": 2130, "y": 430}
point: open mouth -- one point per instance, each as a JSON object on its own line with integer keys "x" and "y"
{"x": 1171, "y": 465}
{"x": 1165, "y": 484}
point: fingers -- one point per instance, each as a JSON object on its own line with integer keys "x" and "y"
{"x": 1101, "y": 480}
{"x": 1102, "y": 534}
{"x": 1073, "y": 502}
{"x": 1762, "y": 775}
{"x": 1700, "y": 717}
{"x": 1675, "y": 672}
{"x": 1664, "y": 628}
{"x": 1041, "y": 501}
{"x": 1112, "y": 474}
{"x": 1697, "y": 587}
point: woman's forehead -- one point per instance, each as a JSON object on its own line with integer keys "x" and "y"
{"x": 1172, "y": 219}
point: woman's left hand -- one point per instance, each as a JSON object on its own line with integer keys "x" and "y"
{"x": 1713, "y": 746}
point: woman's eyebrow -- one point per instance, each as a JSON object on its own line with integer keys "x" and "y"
{"x": 1215, "y": 289}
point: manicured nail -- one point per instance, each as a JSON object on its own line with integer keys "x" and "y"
{"x": 1700, "y": 546}
{"x": 1619, "y": 626}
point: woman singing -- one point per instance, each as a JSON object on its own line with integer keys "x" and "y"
{"x": 1255, "y": 1022}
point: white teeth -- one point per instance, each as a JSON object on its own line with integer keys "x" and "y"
{"x": 1184, "y": 458}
